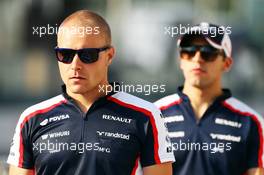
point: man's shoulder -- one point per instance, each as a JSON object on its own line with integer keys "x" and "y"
{"x": 167, "y": 101}
{"x": 42, "y": 107}
{"x": 133, "y": 102}
{"x": 237, "y": 106}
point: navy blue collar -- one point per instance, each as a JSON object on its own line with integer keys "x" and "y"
{"x": 100, "y": 101}
{"x": 225, "y": 95}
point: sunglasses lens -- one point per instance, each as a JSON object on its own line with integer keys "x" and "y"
{"x": 65, "y": 55}
{"x": 187, "y": 52}
{"x": 208, "y": 53}
{"x": 88, "y": 55}
{"x": 208, "y": 56}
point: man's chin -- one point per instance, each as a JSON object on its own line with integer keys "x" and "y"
{"x": 80, "y": 88}
{"x": 77, "y": 90}
{"x": 199, "y": 84}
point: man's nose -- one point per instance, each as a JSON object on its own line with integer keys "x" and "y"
{"x": 76, "y": 63}
{"x": 197, "y": 57}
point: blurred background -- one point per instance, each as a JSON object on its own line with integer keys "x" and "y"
{"x": 146, "y": 54}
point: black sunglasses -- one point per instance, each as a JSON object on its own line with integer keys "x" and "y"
{"x": 86, "y": 55}
{"x": 208, "y": 53}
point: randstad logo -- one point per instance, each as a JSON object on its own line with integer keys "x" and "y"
{"x": 55, "y": 118}
{"x": 115, "y": 135}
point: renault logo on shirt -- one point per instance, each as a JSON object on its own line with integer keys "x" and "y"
{"x": 55, "y": 118}
{"x": 115, "y": 118}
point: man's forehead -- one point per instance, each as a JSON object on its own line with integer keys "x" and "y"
{"x": 75, "y": 32}
{"x": 78, "y": 41}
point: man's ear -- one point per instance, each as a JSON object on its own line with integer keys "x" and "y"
{"x": 228, "y": 64}
{"x": 110, "y": 54}
{"x": 179, "y": 62}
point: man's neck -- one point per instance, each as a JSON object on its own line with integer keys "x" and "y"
{"x": 85, "y": 100}
{"x": 201, "y": 98}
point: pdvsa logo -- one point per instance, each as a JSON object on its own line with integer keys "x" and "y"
{"x": 55, "y": 118}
